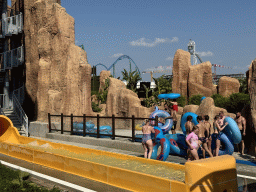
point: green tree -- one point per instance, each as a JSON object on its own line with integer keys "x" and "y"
{"x": 237, "y": 101}
{"x": 243, "y": 85}
{"x": 220, "y": 101}
{"x": 132, "y": 79}
{"x": 163, "y": 85}
{"x": 82, "y": 46}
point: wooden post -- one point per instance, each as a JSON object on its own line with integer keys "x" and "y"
{"x": 61, "y": 124}
{"x": 113, "y": 127}
{"x": 98, "y": 126}
{"x": 133, "y": 128}
{"x": 156, "y": 121}
{"x": 84, "y": 125}
{"x": 49, "y": 122}
{"x": 71, "y": 133}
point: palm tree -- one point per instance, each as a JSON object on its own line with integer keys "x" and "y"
{"x": 163, "y": 85}
{"x": 132, "y": 78}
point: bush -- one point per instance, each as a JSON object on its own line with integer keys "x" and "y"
{"x": 220, "y": 101}
{"x": 96, "y": 108}
{"x": 181, "y": 101}
{"x": 195, "y": 100}
{"x": 237, "y": 101}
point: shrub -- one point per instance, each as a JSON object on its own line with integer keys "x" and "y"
{"x": 237, "y": 101}
{"x": 95, "y": 107}
{"x": 220, "y": 101}
{"x": 195, "y": 100}
{"x": 181, "y": 101}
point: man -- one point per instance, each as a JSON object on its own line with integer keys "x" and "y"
{"x": 209, "y": 130}
{"x": 241, "y": 123}
{"x": 203, "y": 136}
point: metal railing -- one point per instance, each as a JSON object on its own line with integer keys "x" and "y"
{"x": 20, "y": 94}
{"x": 12, "y": 58}
{"x": 23, "y": 119}
{"x": 2, "y": 101}
{"x": 12, "y": 25}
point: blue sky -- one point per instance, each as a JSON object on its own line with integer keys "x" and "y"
{"x": 151, "y": 31}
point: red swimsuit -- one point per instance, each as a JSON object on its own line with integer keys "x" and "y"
{"x": 175, "y": 107}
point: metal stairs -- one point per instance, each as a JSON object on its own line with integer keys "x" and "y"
{"x": 15, "y": 120}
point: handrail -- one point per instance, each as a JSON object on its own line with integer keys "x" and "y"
{"x": 12, "y": 58}
{"x": 20, "y": 113}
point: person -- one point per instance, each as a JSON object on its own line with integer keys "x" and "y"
{"x": 216, "y": 134}
{"x": 241, "y": 123}
{"x": 209, "y": 129}
{"x": 147, "y": 140}
{"x": 174, "y": 111}
{"x": 189, "y": 127}
{"x": 172, "y": 115}
{"x": 192, "y": 142}
{"x": 203, "y": 137}
{"x": 221, "y": 118}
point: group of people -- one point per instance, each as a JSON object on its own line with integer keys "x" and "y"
{"x": 200, "y": 135}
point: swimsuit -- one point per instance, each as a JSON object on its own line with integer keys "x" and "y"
{"x": 175, "y": 107}
{"x": 174, "y": 125}
{"x": 242, "y": 134}
{"x": 193, "y": 138}
{"x": 202, "y": 139}
{"x": 146, "y": 137}
{"x": 215, "y": 136}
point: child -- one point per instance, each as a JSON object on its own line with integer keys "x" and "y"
{"x": 192, "y": 141}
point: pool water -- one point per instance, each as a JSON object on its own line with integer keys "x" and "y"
{"x": 133, "y": 165}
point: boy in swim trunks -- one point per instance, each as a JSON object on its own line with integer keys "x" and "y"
{"x": 147, "y": 142}
{"x": 203, "y": 136}
{"x": 241, "y": 123}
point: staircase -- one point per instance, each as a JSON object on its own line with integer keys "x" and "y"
{"x": 15, "y": 120}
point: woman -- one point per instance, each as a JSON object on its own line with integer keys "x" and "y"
{"x": 146, "y": 139}
{"x": 192, "y": 141}
{"x": 216, "y": 134}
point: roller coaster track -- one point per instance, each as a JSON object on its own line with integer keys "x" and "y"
{"x": 120, "y": 58}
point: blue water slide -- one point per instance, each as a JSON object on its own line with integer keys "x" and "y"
{"x": 232, "y": 131}
{"x": 184, "y": 120}
{"x": 169, "y": 96}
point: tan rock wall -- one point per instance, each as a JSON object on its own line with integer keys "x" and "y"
{"x": 180, "y": 71}
{"x": 103, "y": 76}
{"x": 228, "y": 86}
{"x": 58, "y": 76}
{"x": 200, "y": 80}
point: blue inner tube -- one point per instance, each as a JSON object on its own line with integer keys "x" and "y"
{"x": 168, "y": 122}
{"x": 227, "y": 146}
{"x": 232, "y": 131}
{"x": 178, "y": 144}
{"x": 203, "y": 98}
{"x": 184, "y": 120}
{"x": 169, "y": 96}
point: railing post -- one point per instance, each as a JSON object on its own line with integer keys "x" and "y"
{"x": 71, "y": 133}
{"x": 113, "y": 127}
{"x": 84, "y": 125}
{"x": 98, "y": 126}
{"x": 49, "y": 122}
{"x": 61, "y": 124}
{"x": 156, "y": 121}
{"x": 133, "y": 128}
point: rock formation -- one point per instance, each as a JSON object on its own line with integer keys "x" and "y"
{"x": 123, "y": 102}
{"x": 58, "y": 76}
{"x": 103, "y": 76}
{"x": 228, "y": 86}
{"x": 180, "y": 71}
{"x": 200, "y": 80}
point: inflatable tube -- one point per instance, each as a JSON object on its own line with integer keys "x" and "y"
{"x": 169, "y": 96}
{"x": 228, "y": 147}
{"x": 202, "y": 99}
{"x": 79, "y": 126}
{"x": 184, "y": 120}
{"x": 232, "y": 131}
{"x": 178, "y": 144}
{"x": 162, "y": 141}
{"x": 168, "y": 122}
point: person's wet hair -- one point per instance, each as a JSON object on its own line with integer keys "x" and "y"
{"x": 216, "y": 117}
{"x": 206, "y": 117}
{"x": 194, "y": 128}
{"x": 189, "y": 118}
{"x": 199, "y": 118}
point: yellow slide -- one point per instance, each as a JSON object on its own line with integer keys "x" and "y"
{"x": 123, "y": 171}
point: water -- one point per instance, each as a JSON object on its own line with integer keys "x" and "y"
{"x": 133, "y": 165}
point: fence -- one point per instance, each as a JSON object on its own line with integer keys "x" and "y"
{"x": 98, "y": 134}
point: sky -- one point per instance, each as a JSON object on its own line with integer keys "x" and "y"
{"x": 150, "y": 32}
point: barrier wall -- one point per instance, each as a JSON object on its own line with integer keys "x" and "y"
{"x": 215, "y": 174}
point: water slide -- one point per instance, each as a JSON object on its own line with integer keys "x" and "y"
{"x": 123, "y": 171}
